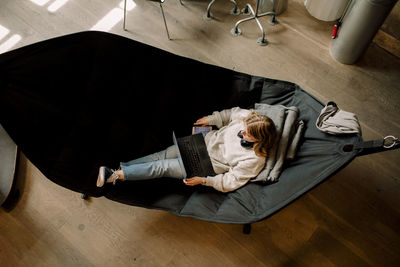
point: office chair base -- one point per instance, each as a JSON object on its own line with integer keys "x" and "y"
{"x": 248, "y": 10}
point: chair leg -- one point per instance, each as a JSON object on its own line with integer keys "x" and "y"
{"x": 165, "y": 22}
{"x": 124, "y": 15}
{"x": 162, "y": 12}
{"x": 208, "y": 15}
{"x": 235, "y": 10}
{"x": 236, "y": 31}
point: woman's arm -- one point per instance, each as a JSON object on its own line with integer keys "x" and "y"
{"x": 218, "y": 118}
{"x": 237, "y": 176}
{"x": 194, "y": 181}
{"x": 203, "y": 121}
{"x": 231, "y": 180}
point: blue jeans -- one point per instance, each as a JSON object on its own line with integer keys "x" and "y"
{"x": 160, "y": 164}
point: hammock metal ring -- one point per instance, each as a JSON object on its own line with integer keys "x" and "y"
{"x": 390, "y": 138}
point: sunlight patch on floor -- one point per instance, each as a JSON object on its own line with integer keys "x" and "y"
{"x": 56, "y": 5}
{"x": 53, "y": 7}
{"x": 8, "y": 43}
{"x": 113, "y": 17}
{"x": 40, "y": 2}
{"x": 3, "y": 32}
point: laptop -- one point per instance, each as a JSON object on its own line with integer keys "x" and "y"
{"x": 193, "y": 155}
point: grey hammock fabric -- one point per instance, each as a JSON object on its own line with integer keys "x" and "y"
{"x": 57, "y": 103}
{"x": 318, "y": 157}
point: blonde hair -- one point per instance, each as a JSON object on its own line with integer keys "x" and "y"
{"x": 262, "y": 128}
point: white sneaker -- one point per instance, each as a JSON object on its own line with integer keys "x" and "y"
{"x": 106, "y": 175}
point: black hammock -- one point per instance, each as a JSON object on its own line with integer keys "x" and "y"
{"x": 77, "y": 102}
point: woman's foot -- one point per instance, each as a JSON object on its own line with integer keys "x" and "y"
{"x": 107, "y": 175}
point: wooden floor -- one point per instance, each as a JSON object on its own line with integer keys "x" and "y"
{"x": 353, "y": 219}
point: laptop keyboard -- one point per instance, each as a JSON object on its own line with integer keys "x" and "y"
{"x": 190, "y": 158}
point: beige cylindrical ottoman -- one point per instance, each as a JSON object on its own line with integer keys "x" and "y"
{"x": 326, "y": 10}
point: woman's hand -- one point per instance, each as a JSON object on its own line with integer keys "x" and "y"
{"x": 203, "y": 121}
{"x": 193, "y": 181}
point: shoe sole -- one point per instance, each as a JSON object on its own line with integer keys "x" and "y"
{"x": 100, "y": 177}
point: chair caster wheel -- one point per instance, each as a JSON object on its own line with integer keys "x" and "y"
{"x": 236, "y": 32}
{"x": 235, "y": 11}
{"x": 246, "y": 11}
{"x": 84, "y": 196}
{"x": 262, "y": 41}
{"x": 208, "y": 16}
{"x": 273, "y": 21}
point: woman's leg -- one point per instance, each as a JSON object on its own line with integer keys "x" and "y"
{"x": 169, "y": 153}
{"x": 154, "y": 169}
{"x": 160, "y": 164}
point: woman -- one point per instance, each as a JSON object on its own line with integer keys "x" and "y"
{"x": 238, "y": 151}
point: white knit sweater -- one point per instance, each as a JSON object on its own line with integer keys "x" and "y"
{"x": 233, "y": 164}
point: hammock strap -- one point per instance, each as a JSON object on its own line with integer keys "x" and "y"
{"x": 369, "y": 147}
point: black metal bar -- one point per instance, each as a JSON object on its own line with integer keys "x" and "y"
{"x": 247, "y": 228}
